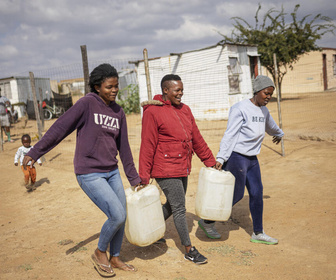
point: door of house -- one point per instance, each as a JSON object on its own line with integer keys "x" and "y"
{"x": 253, "y": 66}
{"x": 325, "y": 77}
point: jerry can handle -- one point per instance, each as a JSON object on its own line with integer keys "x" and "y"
{"x": 138, "y": 187}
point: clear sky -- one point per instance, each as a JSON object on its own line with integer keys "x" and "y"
{"x": 43, "y": 34}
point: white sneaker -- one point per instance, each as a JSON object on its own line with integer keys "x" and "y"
{"x": 263, "y": 238}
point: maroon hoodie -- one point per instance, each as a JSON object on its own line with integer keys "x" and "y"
{"x": 101, "y": 133}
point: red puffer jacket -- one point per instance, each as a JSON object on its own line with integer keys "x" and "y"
{"x": 169, "y": 138}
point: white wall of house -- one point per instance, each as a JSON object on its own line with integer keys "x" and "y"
{"x": 205, "y": 76}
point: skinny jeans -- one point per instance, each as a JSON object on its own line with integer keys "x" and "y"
{"x": 246, "y": 170}
{"x": 107, "y": 192}
{"x": 175, "y": 190}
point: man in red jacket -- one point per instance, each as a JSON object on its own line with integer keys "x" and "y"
{"x": 169, "y": 138}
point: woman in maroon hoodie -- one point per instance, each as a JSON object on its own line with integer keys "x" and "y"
{"x": 101, "y": 134}
{"x": 169, "y": 138}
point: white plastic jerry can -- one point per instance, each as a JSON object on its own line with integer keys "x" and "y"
{"x": 214, "y": 194}
{"x": 145, "y": 223}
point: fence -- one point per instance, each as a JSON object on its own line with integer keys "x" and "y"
{"x": 306, "y": 118}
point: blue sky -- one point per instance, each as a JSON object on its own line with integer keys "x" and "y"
{"x": 43, "y": 34}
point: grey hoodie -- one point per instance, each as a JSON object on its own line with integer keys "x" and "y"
{"x": 246, "y": 129}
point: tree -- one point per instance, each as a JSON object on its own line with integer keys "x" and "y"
{"x": 129, "y": 100}
{"x": 289, "y": 41}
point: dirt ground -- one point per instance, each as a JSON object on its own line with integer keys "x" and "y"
{"x": 51, "y": 232}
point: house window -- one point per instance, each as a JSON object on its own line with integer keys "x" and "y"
{"x": 334, "y": 64}
{"x": 234, "y": 70}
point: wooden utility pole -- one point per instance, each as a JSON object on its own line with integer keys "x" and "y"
{"x": 2, "y": 128}
{"x": 41, "y": 109}
{"x": 36, "y": 109}
{"x": 85, "y": 69}
{"x": 149, "y": 89}
{"x": 278, "y": 102}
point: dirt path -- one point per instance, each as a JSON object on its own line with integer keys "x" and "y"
{"x": 50, "y": 233}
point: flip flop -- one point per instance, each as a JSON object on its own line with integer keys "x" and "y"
{"x": 125, "y": 267}
{"x": 103, "y": 269}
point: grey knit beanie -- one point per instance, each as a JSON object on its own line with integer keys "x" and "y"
{"x": 262, "y": 82}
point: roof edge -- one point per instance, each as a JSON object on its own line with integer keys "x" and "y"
{"x": 196, "y": 50}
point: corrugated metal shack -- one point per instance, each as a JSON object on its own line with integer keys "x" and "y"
{"x": 214, "y": 78}
{"x": 18, "y": 90}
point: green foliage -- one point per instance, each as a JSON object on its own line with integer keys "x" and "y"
{"x": 65, "y": 242}
{"x": 129, "y": 100}
{"x": 288, "y": 41}
{"x": 238, "y": 257}
{"x": 26, "y": 267}
{"x": 224, "y": 250}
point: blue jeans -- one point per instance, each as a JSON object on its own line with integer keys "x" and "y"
{"x": 246, "y": 170}
{"x": 107, "y": 192}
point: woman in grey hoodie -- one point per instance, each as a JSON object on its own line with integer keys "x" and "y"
{"x": 248, "y": 122}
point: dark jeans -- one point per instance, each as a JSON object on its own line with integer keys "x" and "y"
{"x": 246, "y": 170}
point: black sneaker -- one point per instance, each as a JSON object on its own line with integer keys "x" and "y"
{"x": 195, "y": 256}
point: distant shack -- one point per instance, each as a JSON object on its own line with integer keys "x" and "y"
{"x": 18, "y": 91}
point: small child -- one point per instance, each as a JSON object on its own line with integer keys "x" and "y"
{"x": 30, "y": 172}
